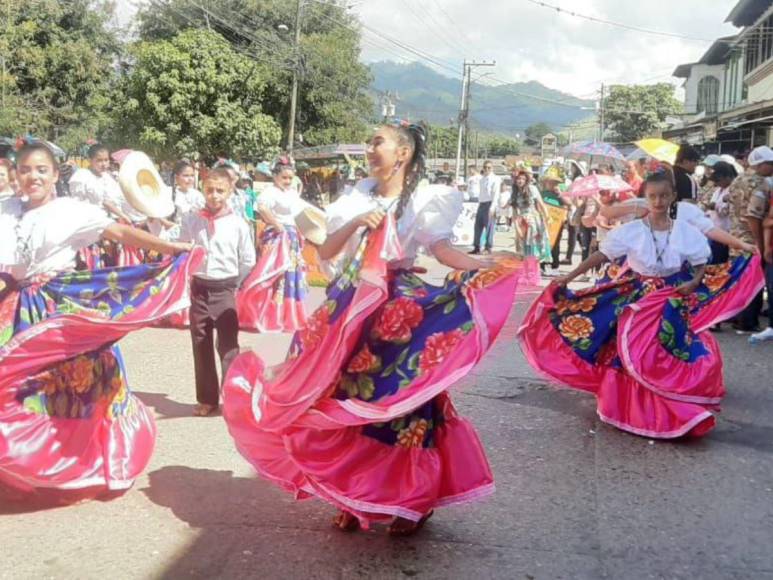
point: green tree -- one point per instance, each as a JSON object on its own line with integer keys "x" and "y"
{"x": 500, "y": 146}
{"x": 441, "y": 141}
{"x": 334, "y": 104}
{"x": 195, "y": 94}
{"x": 537, "y": 131}
{"x": 632, "y": 112}
{"x": 58, "y": 68}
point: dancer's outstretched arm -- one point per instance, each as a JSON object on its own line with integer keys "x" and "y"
{"x": 138, "y": 238}
{"x": 721, "y": 236}
{"x": 449, "y": 256}
{"x": 595, "y": 260}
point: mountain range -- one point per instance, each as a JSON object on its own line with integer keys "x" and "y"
{"x": 424, "y": 94}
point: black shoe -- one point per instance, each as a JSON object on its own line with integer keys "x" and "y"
{"x": 474, "y": 252}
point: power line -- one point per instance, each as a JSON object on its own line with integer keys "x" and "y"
{"x": 460, "y": 31}
{"x": 437, "y": 61}
{"x": 436, "y": 30}
{"x": 618, "y": 24}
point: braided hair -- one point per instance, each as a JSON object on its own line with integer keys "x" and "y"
{"x": 414, "y": 137}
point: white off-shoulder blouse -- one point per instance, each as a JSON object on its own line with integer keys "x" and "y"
{"x": 285, "y": 205}
{"x": 685, "y": 243}
{"x": 48, "y": 238}
{"x": 428, "y": 218}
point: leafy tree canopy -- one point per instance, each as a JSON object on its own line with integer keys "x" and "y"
{"x": 536, "y": 132}
{"x": 633, "y": 112}
{"x": 59, "y": 67}
{"x": 442, "y": 142}
{"x": 194, "y": 94}
{"x": 333, "y": 101}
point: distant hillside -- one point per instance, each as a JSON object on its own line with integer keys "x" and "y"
{"x": 507, "y": 109}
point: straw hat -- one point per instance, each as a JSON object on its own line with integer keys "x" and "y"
{"x": 312, "y": 225}
{"x": 143, "y": 187}
{"x": 553, "y": 173}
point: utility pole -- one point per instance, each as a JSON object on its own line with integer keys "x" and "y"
{"x": 601, "y": 115}
{"x": 296, "y": 73}
{"x": 464, "y": 111}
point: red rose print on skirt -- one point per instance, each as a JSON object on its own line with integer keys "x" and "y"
{"x": 397, "y": 319}
{"x": 364, "y": 362}
{"x": 437, "y": 347}
{"x": 316, "y": 327}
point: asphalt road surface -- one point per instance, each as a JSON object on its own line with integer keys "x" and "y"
{"x": 575, "y": 498}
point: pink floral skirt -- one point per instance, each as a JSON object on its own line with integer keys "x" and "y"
{"x": 68, "y": 419}
{"x": 641, "y": 348}
{"x": 359, "y": 414}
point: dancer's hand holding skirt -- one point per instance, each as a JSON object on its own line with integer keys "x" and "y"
{"x": 68, "y": 420}
{"x": 359, "y": 414}
{"x": 640, "y": 347}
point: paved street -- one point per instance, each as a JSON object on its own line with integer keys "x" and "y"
{"x": 575, "y": 498}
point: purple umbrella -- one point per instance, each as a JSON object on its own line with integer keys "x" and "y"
{"x": 593, "y": 149}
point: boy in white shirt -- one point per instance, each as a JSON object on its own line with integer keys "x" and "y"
{"x": 230, "y": 257}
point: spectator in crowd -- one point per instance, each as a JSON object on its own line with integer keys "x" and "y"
{"x": 473, "y": 184}
{"x": 723, "y": 175}
{"x": 749, "y": 200}
{"x": 633, "y": 177}
{"x": 767, "y": 334}
{"x": 687, "y": 159}
{"x": 490, "y": 187}
{"x": 6, "y": 168}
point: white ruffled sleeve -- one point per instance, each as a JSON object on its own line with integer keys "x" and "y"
{"x": 267, "y": 199}
{"x": 348, "y": 206}
{"x": 82, "y": 186}
{"x": 617, "y": 243}
{"x": 692, "y": 244}
{"x": 88, "y": 222}
{"x": 435, "y": 221}
{"x": 694, "y": 216}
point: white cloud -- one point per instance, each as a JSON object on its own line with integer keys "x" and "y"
{"x": 530, "y": 42}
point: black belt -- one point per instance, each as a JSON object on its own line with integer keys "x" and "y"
{"x": 224, "y": 284}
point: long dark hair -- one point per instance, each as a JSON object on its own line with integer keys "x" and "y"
{"x": 179, "y": 167}
{"x": 518, "y": 192}
{"x": 414, "y": 137}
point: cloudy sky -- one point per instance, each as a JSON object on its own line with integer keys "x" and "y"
{"x": 531, "y": 42}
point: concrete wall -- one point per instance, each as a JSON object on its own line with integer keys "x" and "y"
{"x": 698, "y": 72}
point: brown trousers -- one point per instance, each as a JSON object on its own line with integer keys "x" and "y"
{"x": 213, "y": 308}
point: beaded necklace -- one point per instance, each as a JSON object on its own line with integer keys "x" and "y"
{"x": 660, "y": 252}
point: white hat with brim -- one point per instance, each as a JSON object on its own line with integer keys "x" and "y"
{"x": 143, "y": 187}
{"x": 312, "y": 224}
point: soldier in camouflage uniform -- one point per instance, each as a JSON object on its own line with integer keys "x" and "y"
{"x": 749, "y": 201}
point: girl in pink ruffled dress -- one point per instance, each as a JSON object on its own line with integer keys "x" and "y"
{"x": 359, "y": 414}
{"x": 68, "y": 420}
{"x": 638, "y": 340}
{"x": 272, "y": 297}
